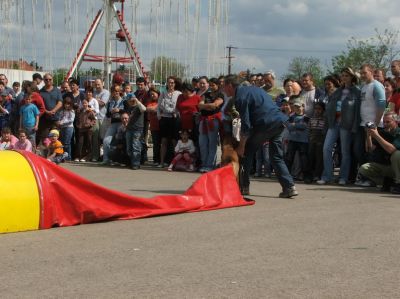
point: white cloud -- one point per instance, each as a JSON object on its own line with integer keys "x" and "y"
{"x": 291, "y": 9}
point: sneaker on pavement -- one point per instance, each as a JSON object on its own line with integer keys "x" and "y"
{"x": 322, "y": 182}
{"x": 170, "y": 168}
{"x": 289, "y": 192}
{"x": 395, "y": 189}
{"x": 82, "y": 160}
{"x": 76, "y": 160}
{"x": 342, "y": 182}
{"x": 367, "y": 183}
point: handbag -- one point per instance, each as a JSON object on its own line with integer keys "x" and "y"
{"x": 236, "y": 125}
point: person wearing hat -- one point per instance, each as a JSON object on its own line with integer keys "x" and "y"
{"x": 55, "y": 148}
{"x": 297, "y": 126}
{"x": 342, "y": 118}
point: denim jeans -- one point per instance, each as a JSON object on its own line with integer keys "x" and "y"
{"x": 65, "y": 138}
{"x": 262, "y": 159}
{"x": 258, "y": 137}
{"x": 134, "y": 146}
{"x": 302, "y": 149}
{"x": 208, "y": 142}
{"x": 345, "y": 145}
{"x": 31, "y": 135}
{"x": 111, "y": 131}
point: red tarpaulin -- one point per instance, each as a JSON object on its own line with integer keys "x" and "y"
{"x": 68, "y": 199}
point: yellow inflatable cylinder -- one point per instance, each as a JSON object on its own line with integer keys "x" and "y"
{"x": 19, "y": 198}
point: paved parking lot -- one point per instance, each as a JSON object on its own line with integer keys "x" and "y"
{"x": 329, "y": 242}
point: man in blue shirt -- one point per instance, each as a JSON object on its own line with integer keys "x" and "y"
{"x": 262, "y": 121}
{"x": 52, "y": 99}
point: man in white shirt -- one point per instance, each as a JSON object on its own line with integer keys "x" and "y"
{"x": 372, "y": 106}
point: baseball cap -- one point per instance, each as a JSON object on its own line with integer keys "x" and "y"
{"x": 298, "y": 102}
{"x": 53, "y": 133}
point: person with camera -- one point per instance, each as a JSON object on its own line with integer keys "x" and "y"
{"x": 384, "y": 153}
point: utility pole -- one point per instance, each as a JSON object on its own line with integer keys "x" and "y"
{"x": 230, "y": 58}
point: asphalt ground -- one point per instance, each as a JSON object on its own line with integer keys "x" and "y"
{"x": 329, "y": 242}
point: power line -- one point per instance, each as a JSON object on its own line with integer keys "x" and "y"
{"x": 230, "y": 58}
{"x": 289, "y": 50}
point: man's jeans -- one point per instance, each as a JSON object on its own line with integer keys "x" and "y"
{"x": 134, "y": 146}
{"x": 111, "y": 131}
{"x": 376, "y": 171}
{"x": 255, "y": 140}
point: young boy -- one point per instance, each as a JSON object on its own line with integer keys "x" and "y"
{"x": 134, "y": 130}
{"x": 317, "y": 132}
{"x": 29, "y": 119}
{"x": 55, "y": 148}
{"x": 298, "y": 139}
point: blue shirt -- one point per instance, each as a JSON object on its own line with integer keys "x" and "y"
{"x": 257, "y": 109}
{"x": 28, "y": 114}
{"x": 50, "y": 99}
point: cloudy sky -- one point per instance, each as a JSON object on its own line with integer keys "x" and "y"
{"x": 267, "y": 34}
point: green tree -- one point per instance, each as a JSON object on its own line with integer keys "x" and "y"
{"x": 59, "y": 76}
{"x": 378, "y": 51}
{"x": 162, "y": 67}
{"x": 301, "y": 65}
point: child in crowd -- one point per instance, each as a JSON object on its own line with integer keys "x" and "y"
{"x": 151, "y": 109}
{"x": 67, "y": 117}
{"x": 7, "y": 140}
{"x": 134, "y": 130}
{"x": 85, "y": 123}
{"x": 317, "y": 132}
{"x": 298, "y": 139}
{"x": 184, "y": 151}
{"x": 29, "y": 119}
{"x": 23, "y": 143}
{"x": 55, "y": 149}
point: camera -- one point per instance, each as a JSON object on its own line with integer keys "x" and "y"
{"x": 370, "y": 125}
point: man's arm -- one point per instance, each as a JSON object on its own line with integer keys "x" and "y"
{"x": 387, "y": 146}
{"x": 380, "y": 101}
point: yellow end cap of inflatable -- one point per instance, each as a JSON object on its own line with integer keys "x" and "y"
{"x": 19, "y": 194}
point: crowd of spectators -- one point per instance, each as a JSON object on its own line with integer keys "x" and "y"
{"x": 349, "y": 124}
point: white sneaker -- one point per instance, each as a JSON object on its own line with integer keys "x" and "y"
{"x": 76, "y": 160}
{"x": 322, "y": 182}
{"x": 170, "y": 167}
{"x": 83, "y": 160}
{"x": 342, "y": 182}
{"x": 359, "y": 182}
{"x": 367, "y": 183}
